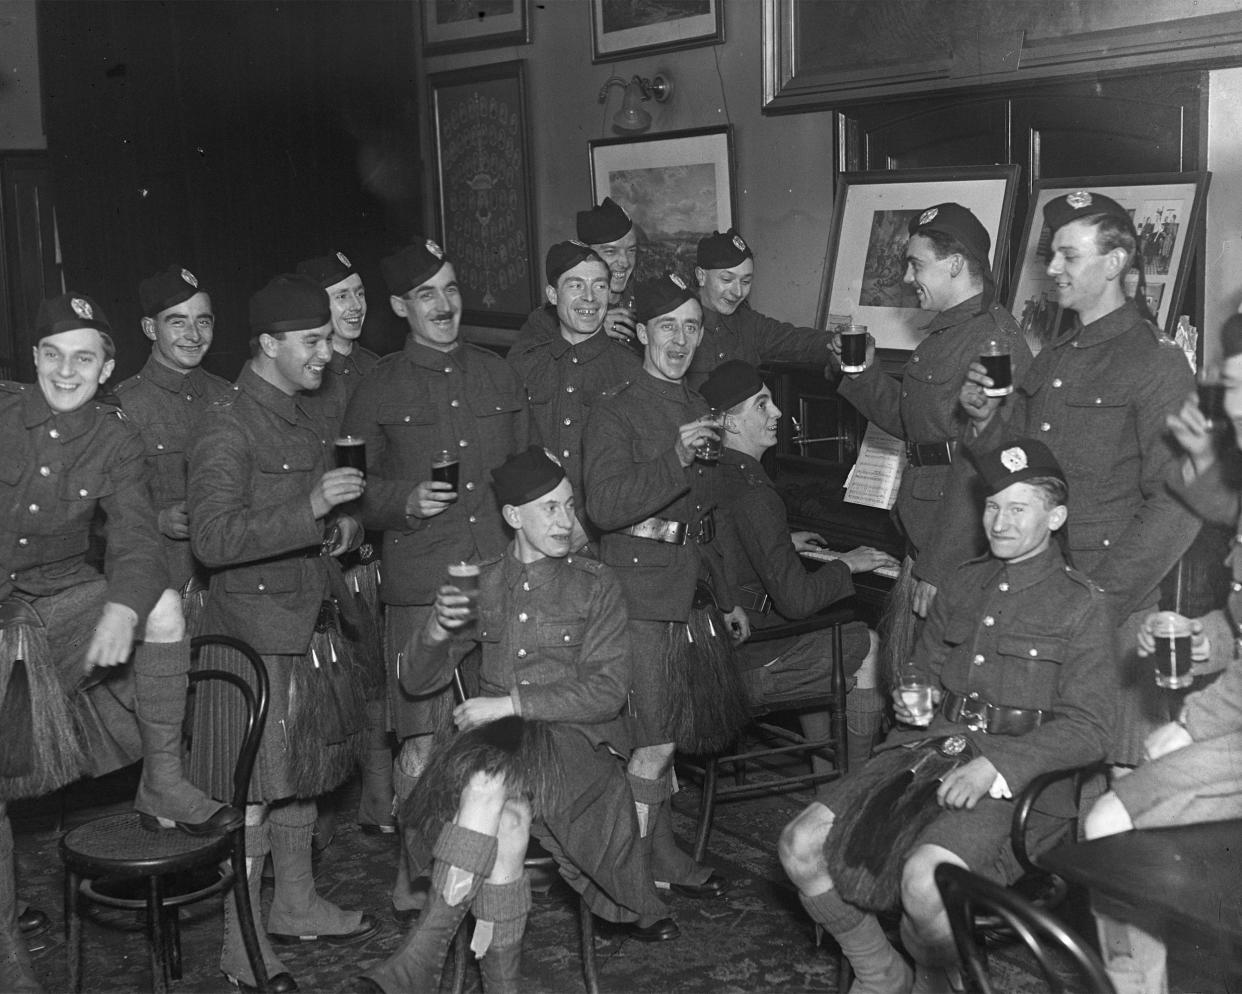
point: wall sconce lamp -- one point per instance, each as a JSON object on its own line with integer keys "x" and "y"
{"x": 631, "y": 117}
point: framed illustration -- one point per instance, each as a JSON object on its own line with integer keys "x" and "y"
{"x": 677, "y": 186}
{"x": 484, "y": 203}
{"x": 866, "y": 258}
{"x": 625, "y": 28}
{"x": 1167, "y": 210}
{"x": 461, "y": 25}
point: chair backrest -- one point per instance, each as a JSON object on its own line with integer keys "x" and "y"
{"x": 964, "y": 893}
{"x": 256, "y": 698}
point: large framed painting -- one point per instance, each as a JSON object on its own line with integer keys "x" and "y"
{"x": 461, "y": 25}
{"x": 677, "y": 186}
{"x": 484, "y": 200}
{"x": 1167, "y": 210}
{"x": 627, "y": 28}
{"x": 866, "y": 259}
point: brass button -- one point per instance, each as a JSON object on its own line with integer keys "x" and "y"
{"x": 54, "y": 433}
{"x": 34, "y": 508}
{"x": 523, "y": 616}
{"x": 23, "y": 541}
{"x": 978, "y": 660}
{"x": 1003, "y": 587}
{"x": 44, "y": 471}
{"x": 454, "y": 403}
{"x": 521, "y": 653}
{"x": 1056, "y": 382}
{"x": 1045, "y": 427}
{"x": 989, "y": 621}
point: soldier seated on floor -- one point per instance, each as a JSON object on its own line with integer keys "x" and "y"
{"x": 1018, "y": 655}
{"x": 542, "y": 748}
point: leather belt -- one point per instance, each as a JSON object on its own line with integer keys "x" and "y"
{"x": 659, "y": 530}
{"x": 982, "y": 716}
{"x": 753, "y": 599}
{"x": 930, "y": 453}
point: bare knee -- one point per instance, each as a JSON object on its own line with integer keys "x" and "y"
{"x": 513, "y": 836}
{"x": 920, "y": 898}
{"x": 801, "y": 846}
{"x": 1108, "y": 816}
{"x": 166, "y": 622}
{"x": 653, "y": 761}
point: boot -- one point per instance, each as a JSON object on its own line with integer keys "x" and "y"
{"x": 671, "y": 863}
{"x": 418, "y": 963}
{"x": 298, "y": 913}
{"x": 1134, "y": 960}
{"x": 16, "y": 970}
{"x": 234, "y": 962}
{"x": 500, "y": 912}
{"x": 165, "y": 798}
{"x": 878, "y": 967}
{"x": 375, "y": 805}
{"x": 409, "y": 889}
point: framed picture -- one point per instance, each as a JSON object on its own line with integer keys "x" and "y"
{"x": 677, "y": 186}
{"x": 1167, "y": 210}
{"x": 461, "y": 25}
{"x": 625, "y": 28}
{"x": 866, "y": 258}
{"x": 484, "y": 200}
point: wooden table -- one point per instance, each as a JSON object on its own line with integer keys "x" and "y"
{"x": 1183, "y": 882}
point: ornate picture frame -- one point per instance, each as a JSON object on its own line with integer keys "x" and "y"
{"x": 463, "y": 25}
{"x": 625, "y": 28}
{"x": 484, "y": 202}
{"x": 678, "y": 186}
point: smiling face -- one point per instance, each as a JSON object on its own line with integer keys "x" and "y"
{"x": 70, "y": 368}
{"x": 1019, "y": 522}
{"x": 751, "y": 426}
{"x": 621, "y": 256}
{"x": 581, "y": 299}
{"x": 544, "y": 526}
{"x": 932, "y": 278}
{"x": 295, "y": 360}
{"x": 670, "y": 340}
{"x": 1087, "y": 280}
{"x": 432, "y": 310}
{"x": 348, "y": 300}
{"x": 182, "y": 333}
{"x": 724, "y": 290}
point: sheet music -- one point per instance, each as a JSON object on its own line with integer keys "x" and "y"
{"x": 876, "y": 475}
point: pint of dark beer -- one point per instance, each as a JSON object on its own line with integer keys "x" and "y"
{"x": 351, "y": 453}
{"x": 995, "y": 360}
{"x": 854, "y": 348}
{"x": 444, "y": 469}
{"x": 1172, "y": 633}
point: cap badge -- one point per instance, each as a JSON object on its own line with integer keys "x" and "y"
{"x": 343, "y": 259}
{"x": 1078, "y": 199}
{"x": 574, "y": 241}
{"x": 677, "y": 280}
{"x": 929, "y": 215}
{"x": 435, "y": 249}
{"x": 738, "y": 243}
{"x": 82, "y": 308}
{"x": 189, "y": 278}
{"x": 1013, "y": 459}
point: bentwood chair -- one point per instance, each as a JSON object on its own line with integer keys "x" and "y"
{"x": 116, "y": 848}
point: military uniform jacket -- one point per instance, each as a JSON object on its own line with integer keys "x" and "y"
{"x": 252, "y": 470}
{"x": 755, "y": 542}
{"x": 923, "y": 406}
{"x": 417, "y": 402}
{"x": 562, "y": 383}
{"x": 554, "y": 639}
{"x": 1098, "y": 399}
{"x": 754, "y": 338}
{"x": 633, "y": 473}
{"x": 1034, "y": 634}
{"x": 350, "y": 369}
{"x": 167, "y": 408}
{"x": 58, "y": 470}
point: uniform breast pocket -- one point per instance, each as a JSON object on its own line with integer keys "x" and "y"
{"x": 285, "y": 475}
{"x": 959, "y": 628}
{"x": 928, "y": 482}
{"x": 165, "y": 451}
{"x": 395, "y": 417}
{"x": 1029, "y": 668}
{"x": 497, "y": 404}
{"x": 561, "y": 633}
{"x": 1100, "y": 413}
{"x": 267, "y": 580}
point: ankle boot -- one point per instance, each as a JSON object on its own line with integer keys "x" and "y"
{"x": 878, "y": 967}
{"x": 375, "y": 805}
{"x": 418, "y": 963}
{"x": 669, "y": 862}
{"x": 234, "y": 962}
{"x": 500, "y": 912}
{"x": 16, "y": 970}
{"x": 299, "y": 913}
{"x": 165, "y": 798}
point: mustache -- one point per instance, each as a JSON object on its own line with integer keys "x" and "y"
{"x": 444, "y": 315}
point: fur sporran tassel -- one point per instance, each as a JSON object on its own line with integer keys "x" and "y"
{"x": 899, "y": 625}
{"x": 326, "y": 708}
{"x": 40, "y": 745}
{"x": 523, "y": 752}
{"x": 707, "y": 704}
{"x": 880, "y": 811}
{"x": 363, "y": 583}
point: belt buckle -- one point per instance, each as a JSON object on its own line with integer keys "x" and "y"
{"x": 706, "y": 530}
{"x": 974, "y": 714}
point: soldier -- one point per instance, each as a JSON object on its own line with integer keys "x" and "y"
{"x": 1098, "y": 397}
{"x": 566, "y": 372}
{"x": 167, "y": 399}
{"x": 725, "y": 270}
{"x": 570, "y": 687}
{"x": 351, "y": 360}
{"x": 437, "y": 394}
{"x": 69, "y": 703}
{"x": 609, "y": 230}
{"x": 947, "y": 266}
{"x": 1017, "y": 651}
{"x": 774, "y": 587}
{"x": 264, "y": 512}
{"x": 653, "y": 502}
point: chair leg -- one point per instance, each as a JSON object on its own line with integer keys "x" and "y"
{"x": 707, "y": 808}
{"x": 172, "y": 941}
{"x": 245, "y": 915}
{"x": 155, "y": 935}
{"x": 586, "y": 925}
{"x": 73, "y": 931}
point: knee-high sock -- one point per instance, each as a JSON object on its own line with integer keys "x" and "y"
{"x": 297, "y": 908}
{"x": 878, "y": 967}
